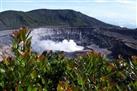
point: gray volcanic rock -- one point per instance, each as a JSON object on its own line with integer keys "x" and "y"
{"x": 58, "y": 25}
{"x": 5, "y": 38}
{"x": 105, "y": 41}
{"x": 98, "y": 39}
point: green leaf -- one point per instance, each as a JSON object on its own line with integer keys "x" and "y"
{"x": 20, "y": 88}
{"x": 30, "y": 88}
{"x": 2, "y": 70}
{"x": 33, "y": 74}
{"x": 34, "y": 89}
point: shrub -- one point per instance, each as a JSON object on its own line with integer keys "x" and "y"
{"x": 29, "y": 71}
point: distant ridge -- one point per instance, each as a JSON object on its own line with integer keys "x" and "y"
{"x": 116, "y": 39}
{"x": 44, "y": 17}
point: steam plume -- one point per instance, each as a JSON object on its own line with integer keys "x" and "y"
{"x": 42, "y": 45}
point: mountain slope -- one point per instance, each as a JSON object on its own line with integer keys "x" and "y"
{"x": 84, "y": 30}
{"x": 44, "y": 17}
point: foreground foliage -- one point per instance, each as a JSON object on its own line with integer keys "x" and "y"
{"x": 28, "y": 71}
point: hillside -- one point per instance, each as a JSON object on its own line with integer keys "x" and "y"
{"x": 44, "y": 17}
{"x": 84, "y": 30}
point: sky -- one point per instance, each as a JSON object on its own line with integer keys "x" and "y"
{"x": 117, "y": 12}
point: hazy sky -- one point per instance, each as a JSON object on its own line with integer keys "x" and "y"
{"x": 118, "y": 12}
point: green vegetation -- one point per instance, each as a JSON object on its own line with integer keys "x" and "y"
{"x": 28, "y": 71}
{"x": 45, "y": 17}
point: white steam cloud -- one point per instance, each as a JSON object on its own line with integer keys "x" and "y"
{"x": 43, "y": 45}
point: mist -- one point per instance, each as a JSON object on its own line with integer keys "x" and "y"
{"x": 40, "y": 46}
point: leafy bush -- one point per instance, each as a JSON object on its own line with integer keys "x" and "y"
{"x": 28, "y": 71}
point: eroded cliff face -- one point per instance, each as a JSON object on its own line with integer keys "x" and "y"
{"x": 110, "y": 42}
{"x": 86, "y": 31}
{"x": 105, "y": 41}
